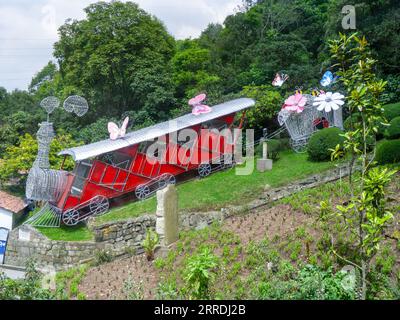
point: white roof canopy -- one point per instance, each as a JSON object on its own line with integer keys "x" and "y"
{"x": 158, "y": 130}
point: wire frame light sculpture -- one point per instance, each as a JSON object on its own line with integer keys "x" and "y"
{"x": 302, "y": 125}
{"x": 47, "y": 217}
{"x": 50, "y": 104}
{"x": 77, "y": 105}
{"x": 43, "y": 183}
{"x": 45, "y": 136}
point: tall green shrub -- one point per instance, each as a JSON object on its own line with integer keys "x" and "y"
{"x": 388, "y": 152}
{"x": 393, "y": 131}
{"x": 322, "y": 141}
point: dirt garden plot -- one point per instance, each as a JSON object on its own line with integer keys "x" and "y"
{"x": 293, "y": 229}
{"x": 107, "y": 281}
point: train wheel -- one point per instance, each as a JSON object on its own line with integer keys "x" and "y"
{"x": 142, "y": 192}
{"x": 99, "y": 205}
{"x": 204, "y": 170}
{"x": 71, "y": 217}
{"x": 166, "y": 180}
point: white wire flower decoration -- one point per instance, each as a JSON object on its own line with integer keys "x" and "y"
{"x": 329, "y": 101}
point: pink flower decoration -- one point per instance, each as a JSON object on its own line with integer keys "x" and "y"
{"x": 295, "y": 103}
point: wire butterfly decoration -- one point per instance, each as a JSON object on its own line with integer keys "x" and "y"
{"x": 280, "y": 79}
{"x": 197, "y": 105}
{"x": 117, "y": 132}
{"x": 328, "y": 79}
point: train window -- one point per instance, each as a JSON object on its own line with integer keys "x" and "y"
{"x": 187, "y": 139}
{"x": 122, "y": 160}
{"x": 117, "y": 159}
{"x": 144, "y": 145}
{"x": 81, "y": 171}
{"x": 214, "y": 124}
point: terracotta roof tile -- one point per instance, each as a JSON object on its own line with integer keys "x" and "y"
{"x": 11, "y": 203}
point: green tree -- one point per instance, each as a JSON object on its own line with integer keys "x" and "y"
{"x": 268, "y": 104}
{"x": 366, "y": 215}
{"x": 42, "y": 84}
{"x": 378, "y": 21}
{"x": 192, "y": 70}
{"x": 18, "y": 159}
{"x": 119, "y": 59}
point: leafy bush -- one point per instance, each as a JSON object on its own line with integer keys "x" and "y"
{"x": 275, "y": 146}
{"x": 309, "y": 283}
{"x": 268, "y": 104}
{"x": 355, "y": 117}
{"x": 322, "y": 141}
{"x": 393, "y": 131}
{"x": 150, "y": 243}
{"x": 199, "y": 273}
{"x": 167, "y": 291}
{"x": 388, "y": 152}
{"x": 101, "y": 256}
{"x": 315, "y": 283}
{"x": 29, "y": 288}
{"x": 285, "y": 143}
{"x": 392, "y": 92}
{"x": 392, "y": 111}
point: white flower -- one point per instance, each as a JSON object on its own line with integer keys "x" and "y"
{"x": 329, "y": 101}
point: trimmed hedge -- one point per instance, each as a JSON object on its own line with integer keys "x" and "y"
{"x": 388, "y": 152}
{"x": 392, "y": 111}
{"x": 322, "y": 141}
{"x": 393, "y": 131}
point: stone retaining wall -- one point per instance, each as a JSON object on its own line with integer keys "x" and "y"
{"x": 46, "y": 252}
{"x": 121, "y": 237}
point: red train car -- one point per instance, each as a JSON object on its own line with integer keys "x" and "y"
{"x": 146, "y": 160}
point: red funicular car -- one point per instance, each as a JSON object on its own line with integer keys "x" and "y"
{"x": 112, "y": 169}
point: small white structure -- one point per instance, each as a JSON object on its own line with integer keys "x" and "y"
{"x": 11, "y": 210}
{"x": 167, "y": 215}
{"x": 264, "y": 164}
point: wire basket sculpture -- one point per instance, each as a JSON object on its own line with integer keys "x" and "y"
{"x": 77, "y": 105}
{"x": 302, "y": 125}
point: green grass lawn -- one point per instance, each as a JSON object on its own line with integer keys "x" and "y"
{"x": 227, "y": 188}
{"x": 64, "y": 233}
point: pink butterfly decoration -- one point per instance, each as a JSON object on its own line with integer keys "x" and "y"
{"x": 197, "y": 106}
{"x": 115, "y": 131}
{"x": 279, "y": 79}
{"x": 295, "y": 103}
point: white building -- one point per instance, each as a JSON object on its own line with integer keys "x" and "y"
{"x": 11, "y": 210}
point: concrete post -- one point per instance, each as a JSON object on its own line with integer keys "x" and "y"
{"x": 167, "y": 215}
{"x": 265, "y": 150}
{"x": 264, "y": 164}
